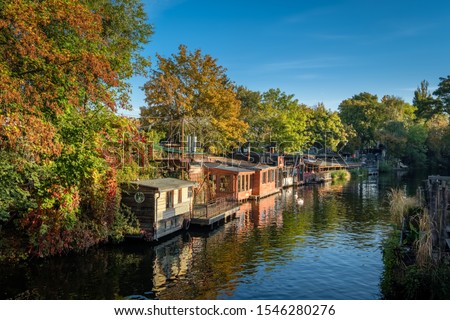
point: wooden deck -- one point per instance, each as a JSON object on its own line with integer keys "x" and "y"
{"x": 214, "y": 213}
{"x": 272, "y": 192}
{"x": 216, "y": 219}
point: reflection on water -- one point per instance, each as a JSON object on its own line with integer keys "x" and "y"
{"x": 324, "y": 247}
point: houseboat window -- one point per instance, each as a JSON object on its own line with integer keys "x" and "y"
{"x": 224, "y": 183}
{"x": 243, "y": 182}
{"x": 239, "y": 184}
{"x": 264, "y": 180}
{"x": 169, "y": 199}
{"x": 251, "y": 181}
{"x": 180, "y": 195}
{"x": 246, "y": 181}
{"x": 190, "y": 191}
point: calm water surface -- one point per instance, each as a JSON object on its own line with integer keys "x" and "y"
{"x": 327, "y": 248}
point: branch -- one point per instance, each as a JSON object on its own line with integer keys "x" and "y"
{"x": 41, "y": 69}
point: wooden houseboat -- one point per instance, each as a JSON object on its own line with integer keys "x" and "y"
{"x": 162, "y": 206}
{"x": 229, "y": 182}
{"x": 265, "y": 181}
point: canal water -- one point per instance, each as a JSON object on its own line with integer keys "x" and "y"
{"x": 328, "y": 247}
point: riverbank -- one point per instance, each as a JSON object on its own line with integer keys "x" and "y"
{"x": 415, "y": 268}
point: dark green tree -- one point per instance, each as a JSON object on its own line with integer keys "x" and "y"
{"x": 442, "y": 94}
{"x": 426, "y": 105}
{"x": 362, "y": 114}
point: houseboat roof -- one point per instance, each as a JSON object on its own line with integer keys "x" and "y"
{"x": 164, "y": 184}
{"x": 221, "y": 166}
{"x": 260, "y": 167}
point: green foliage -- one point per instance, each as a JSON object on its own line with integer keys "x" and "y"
{"x": 275, "y": 117}
{"x": 12, "y": 196}
{"x": 442, "y": 94}
{"x": 341, "y": 175}
{"x": 393, "y": 135}
{"x": 438, "y": 130}
{"x": 426, "y": 105}
{"x": 362, "y": 114}
{"x": 415, "y": 153}
{"x": 326, "y": 129}
{"x": 125, "y": 222}
{"x": 373, "y": 120}
{"x": 393, "y": 266}
{"x": 403, "y": 280}
{"x": 385, "y": 167}
{"x": 285, "y": 121}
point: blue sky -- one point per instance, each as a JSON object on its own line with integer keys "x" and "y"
{"x": 318, "y": 50}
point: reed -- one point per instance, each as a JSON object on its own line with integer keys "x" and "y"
{"x": 400, "y": 205}
{"x": 424, "y": 242}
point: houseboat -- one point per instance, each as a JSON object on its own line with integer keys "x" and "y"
{"x": 266, "y": 181}
{"x": 162, "y": 206}
{"x": 230, "y": 182}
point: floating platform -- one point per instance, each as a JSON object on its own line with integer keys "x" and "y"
{"x": 272, "y": 192}
{"x": 215, "y": 219}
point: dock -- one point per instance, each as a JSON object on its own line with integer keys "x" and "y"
{"x": 270, "y": 193}
{"x": 214, "y": 213}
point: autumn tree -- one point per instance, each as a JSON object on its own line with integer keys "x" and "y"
{"x": 63, "y": 71}
{"x": 191, "y": 90}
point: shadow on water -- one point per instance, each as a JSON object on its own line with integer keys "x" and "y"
{"x": 324, "y": 247}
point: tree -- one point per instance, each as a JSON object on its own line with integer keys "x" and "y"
{"x": 415, "y": 152}
{"x": 442, "y": 94}
{"x": 327, "y": 128}
{"x": 285, "y": 120}
{"x": 191, "y": 89}
{"x": 367, "y": 116}
{"x": 252, "y": 112}
{"x": 437, "y": 127}
{"x": 393, "y": 108}
{"x": 426, "y": 105}
{"x": 361, "y": 113}
{"x": 63, "y": 71}
{"x": 394, "y": 136}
